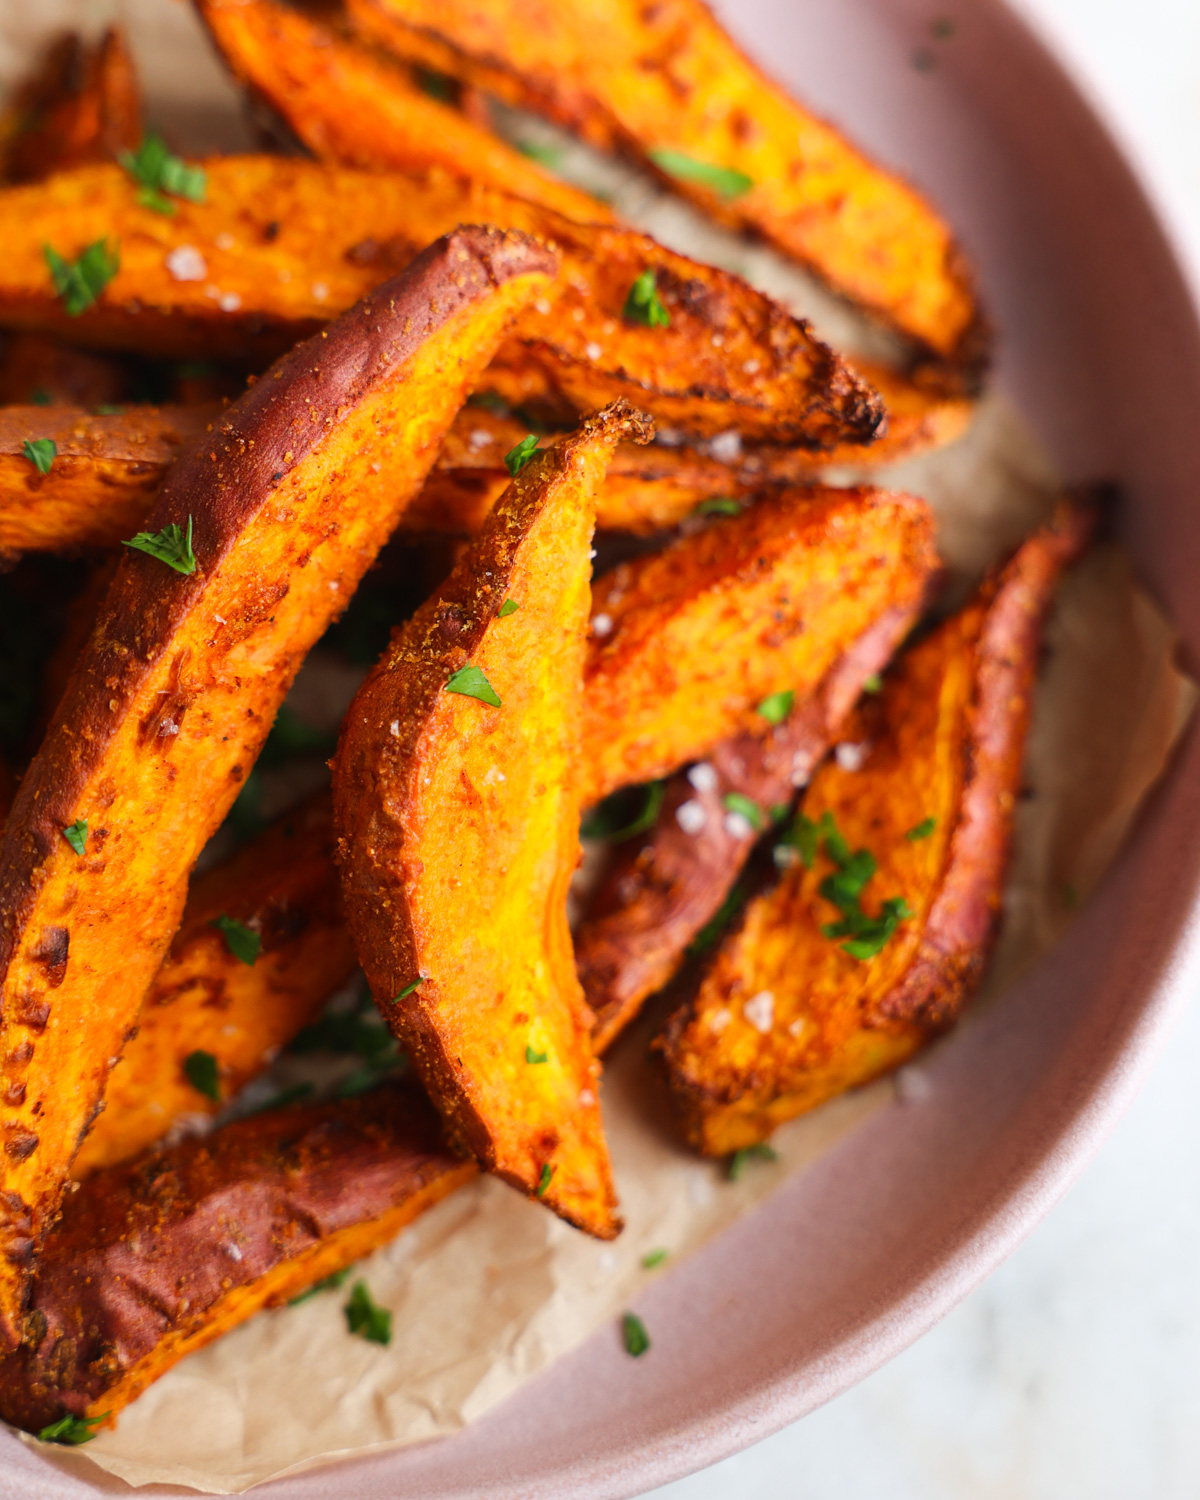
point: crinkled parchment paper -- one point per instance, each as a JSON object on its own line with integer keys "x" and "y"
{"x": 487, "y": 1289}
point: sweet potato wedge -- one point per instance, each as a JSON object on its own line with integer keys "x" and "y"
{"x": 286, "y": 505}
{"x": 349, "y": 105}
{"x": 693, "y": 638}
{"x": 464, "y": 936}
{"x": 661, "y": 889}
{"x": 40, "y": 370}
{"x": 282, "y": 888}
{"x": 83, "y": 106}
{"x": 102, "y": 481}
{"x": 665, "y": 83}
{"x": 158, "y": 1257}
{"x": 280, "y": 246}
{"x": 797, "y": 1006}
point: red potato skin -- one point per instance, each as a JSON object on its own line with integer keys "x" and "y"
{"x": 140, "y": 1271}
{"x": 661, "y": 889}
{"x": 201, "y": 662}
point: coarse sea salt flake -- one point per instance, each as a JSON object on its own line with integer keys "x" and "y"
{"x": 602, "y": 624}
{"x": 691, "y": 816}
{"x": 185, "y": 263}
{"x": 759, "y": 1010}
{"x": 229, "y": 302}
{"x": 851, "y": 757}
{"x": 703, "y": 777}
{"x": 737, "y": 826}
{"x": 593, "y": 351}
{"x": 719, "y": 1019}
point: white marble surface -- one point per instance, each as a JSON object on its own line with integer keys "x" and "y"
{"x": 1074, "y": 1373}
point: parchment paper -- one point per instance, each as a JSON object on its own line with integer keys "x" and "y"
{"x": 487, "y": 1288}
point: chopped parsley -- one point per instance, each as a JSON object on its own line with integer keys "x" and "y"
{"x": 921, "y": 831}
{"x": 470, "y": 682}
{"x": 79, "y": 282}
{"x": 778, "y": 811}
{"x": 41, "y": 453}
{"x": 437, "y": 85}
{"x": 865, "y": 935}
{"x": 644, "y": 305}
{"x": 544, "y": 1179}
{"x": 76, "y": 835}
{"x": 726, "y": 182}
{"x": 326, "y": 1284}
{"x": 516, "y": 458}
{"x": 408, "y": 989}
{"x": 545, "y": 156}
{"x": 775, "y": 707}
{"x": 744, "y": 807}
{"x": 610, "y": 819}
{"x": 72, "y": 1430}
{"x": 509, "y": 607}
{"x": 719, "y": 505}
{"x": 710, "y": 934}
{"x": 364, "y": 1316}
{"x": 158, "y": 172}
{"x": 739, "y": 1160}
{"x": 41, "y": 397}
{"x": 201, "y": 1071}
{"x": 803, "y": 836}
{"x": 535, "y": 1057}
{"x": 242, "y": 941}
{"x": 170, "y": 545}
{"x": 873, "y": 684}
{"x": 653, "y": 1258}
{"x": 633, "y": 1332}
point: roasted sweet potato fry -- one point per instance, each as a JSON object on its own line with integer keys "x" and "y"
{"x": 873, "y": 939}
{"x": 690, "y": 640}
{"x": 285, "y": 506}
{"x": 160, "y": 1256}
{"x": 281, "y": 889}
{"x": 40, "y": 370}
{"x": 665, "y": 83}
{"x": 84, "y": 106}
{"x": 348, "y": 105}
{"x": 470, "y": 723}
{"x": 102, "y": 478}
{"x": 662, "y": 888}
{"x": 279, "y": 246}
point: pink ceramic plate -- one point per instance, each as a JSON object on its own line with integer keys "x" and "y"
{"x": 862, "y": 1254}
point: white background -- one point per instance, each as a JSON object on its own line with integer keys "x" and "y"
{"x": 1074, "y": 1373}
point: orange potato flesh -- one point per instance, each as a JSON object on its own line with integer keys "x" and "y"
{"x": 84, "y": 106}
{"x": 280, "y": 246}
{"x": 350, "y": 106}
{"x": 157, "y": 1258}
{"x": 785, "y": 1018}
{"x": 697, "y": 635}
{"x": 645, "y": 78}
{"x": 458, "y": 834}
{"x": 173, "y": 696}
{"x": 281, "y": 886}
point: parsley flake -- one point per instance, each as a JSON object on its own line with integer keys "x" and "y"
{"x": 719, "y": 505}
{"x": 41, "y": 453}
{"x": 644, "y": 305}
{"x": 739, "y": 1160}
{"x": 633, "y": 1332}
{"x": 41, "y": 397}
{"x": 516, "y": 458}
{"x": 921, "y": 831}
{"x": 744, "y": 807}
{"x": 653, "y": 1258}
{"x": 437, "y": 85}
{"x": 201, "y": 1071}
{"x": 79, "y": 282}
{"x": 364, "y": 1316}
{"x": 726, "y": 182}
{"x": 72, "y": 1430}
{"x": 509, "y": 607}
{"x": 873, "y": 684}
{"x": 609, "y": 819}
{"x": 544, "y": 1179}
{"x": 242, "y": 941}
{"x": 535, "y": 1057}
{"x": 169, "y": 545}
{"x": 545, "y": 156}
{"x": 326, "y": 1284}
{"x": 408, "y": 989}
{"x": 710, "y": 934}
{"x": 76, "y": 835}
{"x": 470, "y": 682}
{"x": 158, "y": 171}
{"x": 775, "y": 707}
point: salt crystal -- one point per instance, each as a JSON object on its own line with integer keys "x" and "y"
{"x": 703, "y": 777}
{"x": 602, "y": 625}
{"x": 185, "y": 263}
{"x": 593, "y": 351}
{"x": 691, "y": 816}
{"x": 229, "y": 302}
{"x": 759, "y": 1010}
{"x": 738, "y": 826}
{"x": 852, "y": 757}
{"x": 726, "y": 447}
{"x": 719, "y": 1019}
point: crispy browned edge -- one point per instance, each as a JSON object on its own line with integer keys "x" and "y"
{"x": 964, "y": 918}
{"x": 161, "y": 1255}
{"x": 659, "y": 890}
{"x": 265, "y": 434}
